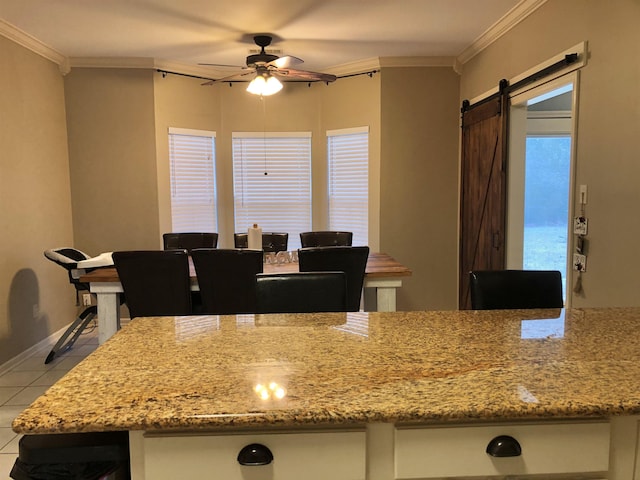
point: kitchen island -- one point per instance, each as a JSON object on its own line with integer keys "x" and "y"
{"x": 374, "y": 396}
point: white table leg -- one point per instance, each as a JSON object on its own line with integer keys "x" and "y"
{"x": 136, "y": 453}
{"x": 108, "y": 296}
{"x": 386, "y": 299}
{"x": 385, "y": 293}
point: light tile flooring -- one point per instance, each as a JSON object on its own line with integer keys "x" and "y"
{"x": 27, "y": 381}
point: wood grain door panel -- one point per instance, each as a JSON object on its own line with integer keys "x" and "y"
{"x": 482, "y": 192}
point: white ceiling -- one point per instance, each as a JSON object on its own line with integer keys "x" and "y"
{"x": 326, "y": 34}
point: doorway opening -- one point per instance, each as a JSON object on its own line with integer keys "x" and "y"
{"x": 541, "y": 145}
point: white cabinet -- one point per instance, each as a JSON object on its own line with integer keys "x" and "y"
{"x": 625, "y": 448}
{"x": 318, "y": 455}
{"x": 455, "y": 451}
{"x": 556, "y": 449}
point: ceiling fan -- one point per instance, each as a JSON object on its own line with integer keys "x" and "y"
{"x": 266, "y": 66}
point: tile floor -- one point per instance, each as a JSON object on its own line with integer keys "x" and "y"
{"x": 28, "y": 380}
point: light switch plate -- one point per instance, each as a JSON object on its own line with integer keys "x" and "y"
{"x": 580, "y": 225}
{"x": 579, "y": 262}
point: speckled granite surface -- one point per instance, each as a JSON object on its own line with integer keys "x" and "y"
{"x": 198, "y": 373}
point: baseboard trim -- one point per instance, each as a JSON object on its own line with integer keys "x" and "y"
{"x": 47, "y": 342}
{"x": 50, "y": 341}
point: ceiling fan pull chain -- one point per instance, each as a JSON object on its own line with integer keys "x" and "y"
{"x": 264, "y": 132}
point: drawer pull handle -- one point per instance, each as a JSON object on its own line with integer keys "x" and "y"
{"x": 504, "y": 446}
{"x": 255, "y": 455}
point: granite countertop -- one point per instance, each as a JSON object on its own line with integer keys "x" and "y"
{"x": 245, "y": 371}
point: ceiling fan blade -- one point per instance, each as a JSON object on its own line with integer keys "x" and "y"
{"x": 304, "y": 75}
{"x": 221, "y": 65}
{"x": 229, "y": 78}
{"x": 285, "y": 61}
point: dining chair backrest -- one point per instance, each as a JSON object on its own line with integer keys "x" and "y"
{"x": 189, "y": 240}
{"x": 227, "y": 279}
{"x": 301, "y": 292}
{"x": 155, "y": 282}
{"x": 326, "y": 239}
{"x": 514, "y": 289}
{"x": 350, "y": 260}
{"x": 271, "y": 241}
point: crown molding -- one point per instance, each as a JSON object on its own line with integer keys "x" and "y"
{"x": 417, "y": 61}
{"x": 513, "y": 17}
{"x": 352, "y": 68}
{"x": 376, "y": 63}
{"x": 498, "y": 29}
{"x": 111, "y": 62}
{"x": 196, "y": 70}
{"x": 145, "y": 63}
{"x": 31, "y": 43}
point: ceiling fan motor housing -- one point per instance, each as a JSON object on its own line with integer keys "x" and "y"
{"x": 260, "y": 58}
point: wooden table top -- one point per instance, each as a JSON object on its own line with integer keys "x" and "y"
{"x": 379, "y": 265}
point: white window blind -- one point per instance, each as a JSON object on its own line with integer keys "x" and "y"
{"x": 348, "y": 159}
{"x": 272, "y": 182}
{"x": 193, "y": 182}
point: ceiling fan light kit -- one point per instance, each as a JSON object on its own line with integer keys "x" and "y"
{"x": 264, "y": 85}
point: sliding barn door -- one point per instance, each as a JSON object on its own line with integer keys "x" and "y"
{"x": 483, "y": 190}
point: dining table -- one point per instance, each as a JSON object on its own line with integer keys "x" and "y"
{"x": 383, "y": 276}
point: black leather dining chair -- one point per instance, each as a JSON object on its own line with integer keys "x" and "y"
{"x": 155, "y": 282}
{"x": 514, "y": 289}
{"x": 325, "y": 238}
{"x": 350, "y": 260}
{"x": 301, "y": 292}
{"x": 189, "y": 240}
{"x": 271, "y": 241}
{"x": 227, "y": 279}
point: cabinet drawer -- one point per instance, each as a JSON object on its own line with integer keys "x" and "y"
{"x": 460, "y": 451}
{"x": 339, "y": 455}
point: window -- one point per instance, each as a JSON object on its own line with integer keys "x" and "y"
{"x": 193, "y": 182}
{"x": 272, "y": 182}
{"x": 348, "y": 159}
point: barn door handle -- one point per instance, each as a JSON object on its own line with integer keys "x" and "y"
{"x": 496, "y": 240}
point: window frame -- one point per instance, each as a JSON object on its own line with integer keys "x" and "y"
{"x": 202, "y": 176}
{"x": 344, "y": 221}
{"x": 293, "y": 187}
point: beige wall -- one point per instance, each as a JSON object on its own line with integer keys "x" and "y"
{"x": 419, "y": 172}
{"x": 608, "y": 126}
{"x": 351, "y": 102}
{"x": 397, "y": 196}
{"x": 293, "y": 109}
{"x": 112, "y": 157}
{"x": 114, "y": 177}
{"x": 184, "y": 103}
{"x": 36, "y": 298}
{"x": 180, "y": 102}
